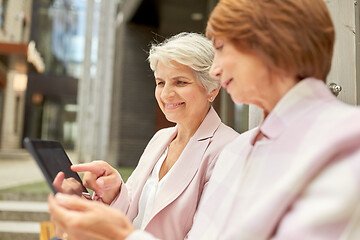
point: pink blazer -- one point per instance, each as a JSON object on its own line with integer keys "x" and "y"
{"x": 300, "y": 181}
{"x": 177, "y": 201}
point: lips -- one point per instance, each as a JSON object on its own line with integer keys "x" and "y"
{"x": 226, "y": 83}
{"x": 173, "y": 105}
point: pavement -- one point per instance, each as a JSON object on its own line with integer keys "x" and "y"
{"x": 17, "y": 167}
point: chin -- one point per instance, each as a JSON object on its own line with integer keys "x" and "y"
{"x": 238, "y": 100}
{"x": 171, "y": 119}
{"x": 234, "y": 98}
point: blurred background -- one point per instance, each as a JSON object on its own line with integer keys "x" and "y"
{"x": 75, "y": 71}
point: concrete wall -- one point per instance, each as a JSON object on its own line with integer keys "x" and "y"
{"x": 133, "y": 104}
{"x": 12, "y": 123}
{"x": 16, "y": 30}
{"x": 343, "y": 70}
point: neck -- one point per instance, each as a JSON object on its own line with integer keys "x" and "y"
{"x": 188, "y": 129}
{"x": 277, "y": 90}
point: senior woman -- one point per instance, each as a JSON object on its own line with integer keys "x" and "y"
{"x": 162, "y": 194}
{"x": 297, "y": 175}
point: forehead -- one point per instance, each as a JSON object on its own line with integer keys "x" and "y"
{"x": 173, "y": 69}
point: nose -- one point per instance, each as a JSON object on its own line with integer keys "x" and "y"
{"x": 215, "y": 70}
{"x": 167, "y": 91}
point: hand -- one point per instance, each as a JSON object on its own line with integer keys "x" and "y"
{"x": 83, "y": 219}
{"x": 68, "y": 185}
{"x": 100, "y": 177}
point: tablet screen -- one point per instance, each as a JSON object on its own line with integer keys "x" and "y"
{"x": 52, "y": 158}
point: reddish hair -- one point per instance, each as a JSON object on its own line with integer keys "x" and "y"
{"x": 293, "y": 36}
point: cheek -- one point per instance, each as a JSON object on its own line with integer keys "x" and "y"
{"x": 191, "y": 96}
{"x": 198, "y": 98}
{"x": 157, "y": 95}
{"x": 228, "y": 63}
{"x": 194, "y": 95}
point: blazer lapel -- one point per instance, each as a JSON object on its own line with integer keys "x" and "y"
{"x": 148, "y": 161}
{"x": 188, "y": 163}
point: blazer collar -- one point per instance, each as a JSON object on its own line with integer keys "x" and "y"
{"x": 304, "y": 96}
{"x": 188, "y": 163}
{"x": 209, "y": 125}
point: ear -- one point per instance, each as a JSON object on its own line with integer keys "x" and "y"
{"x": 214, "y": 93}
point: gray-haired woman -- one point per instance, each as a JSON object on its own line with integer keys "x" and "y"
{"x": 162, "y": 194}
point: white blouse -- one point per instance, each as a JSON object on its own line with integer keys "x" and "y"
{"x": 148, "y": 194}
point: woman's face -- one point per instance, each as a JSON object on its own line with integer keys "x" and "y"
{"x": 180, "y": 96}
{"x": 244, "y": 76}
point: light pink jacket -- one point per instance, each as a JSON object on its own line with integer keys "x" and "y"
{"x": 299, "y": 181}
{"x": 178, "y": 199}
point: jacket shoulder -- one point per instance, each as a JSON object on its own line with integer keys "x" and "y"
{"x": 225, "y": 133}
{"x": 162, "y": 132}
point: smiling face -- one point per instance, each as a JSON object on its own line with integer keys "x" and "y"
{"x": 180, "y": 96}
{"x": 244, "y": 76}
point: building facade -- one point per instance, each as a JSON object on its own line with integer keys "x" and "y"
{"x": 15, "y": 19}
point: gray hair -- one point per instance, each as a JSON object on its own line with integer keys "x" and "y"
{"x": 190, "y": 49}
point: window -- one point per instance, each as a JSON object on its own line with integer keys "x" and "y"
{"x": 3, "y": 4}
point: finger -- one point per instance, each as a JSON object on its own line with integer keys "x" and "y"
{"x": 102, "y": 184}
{"x": 99, "y": 176}
{"x": 90, "y": 181}
{"x": 71, "y": 186}
{"x": 108, "y": 182}
{"x": 55, "y": 215}
{"x": 74, "y": 203}
{"x": 57, "y": 183}
{"x": 63, "y": 218}
{"x": 95, "y": 167}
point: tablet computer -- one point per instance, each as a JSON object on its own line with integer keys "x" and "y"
{"x": 52, "y": 159}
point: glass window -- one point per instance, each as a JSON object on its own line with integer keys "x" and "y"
{"x": 3, "y": 5}
{"x": 59, "y": 31}
{"x": 60, "y": 36}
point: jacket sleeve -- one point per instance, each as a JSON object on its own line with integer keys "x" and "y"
{"x": 122, "y": 201}
{"x": 141, "y": 235}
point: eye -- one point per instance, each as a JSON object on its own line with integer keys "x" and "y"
{"x": 218, "y": 44}
{"x": 219, "y": 47}
{"x": 160, "y": 83}
{"x": 181, "y": 83}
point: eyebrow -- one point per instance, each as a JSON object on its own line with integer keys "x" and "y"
{"x": 174, "y": 78}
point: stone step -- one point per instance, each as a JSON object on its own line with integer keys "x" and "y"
{"x": 17, "y": 154}
{"x": 16, "y": 196}
{"x": 23, "y": 211}
{"x": 20, "y": 220}
{"x": 11, "y": 230}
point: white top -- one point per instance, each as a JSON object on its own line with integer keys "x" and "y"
{"x": 148, "y": 194}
